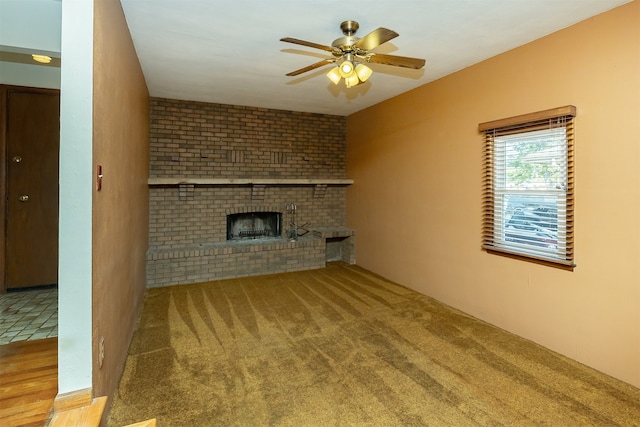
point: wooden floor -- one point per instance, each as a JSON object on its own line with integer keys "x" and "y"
{"x": 28, "y": 382}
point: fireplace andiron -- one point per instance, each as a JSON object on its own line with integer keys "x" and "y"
{"x": 292, "y": 232}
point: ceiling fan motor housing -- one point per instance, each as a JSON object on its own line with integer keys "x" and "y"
{"x": 345, "y": 44}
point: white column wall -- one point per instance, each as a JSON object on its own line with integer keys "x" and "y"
{"x": 76, "y": 184}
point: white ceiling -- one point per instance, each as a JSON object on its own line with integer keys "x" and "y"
{"x": 229, "y": 51}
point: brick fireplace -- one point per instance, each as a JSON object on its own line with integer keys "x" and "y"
{"x": 212, "y": 161}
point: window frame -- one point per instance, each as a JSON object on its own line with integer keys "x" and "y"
{"x": 493, "y": 238}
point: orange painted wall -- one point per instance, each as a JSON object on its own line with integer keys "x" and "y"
{"x": 416, "y": 200}
{"x": 121, "y": 208}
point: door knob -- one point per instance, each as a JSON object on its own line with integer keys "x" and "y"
{"x": 23, "y": 198}
{"x": 17, "y": 159}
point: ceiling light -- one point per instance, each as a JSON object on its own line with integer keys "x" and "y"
{"x": 352, "y": 80}
{"x": 363, "y": 72}
{"x": 353, "y": 72}
{"x": 41, "y": 58}
{"x": 334, "y": 75}
{"x": 346, "y": 69}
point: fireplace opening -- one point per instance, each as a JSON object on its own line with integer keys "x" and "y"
{"x": 254, "y": 225}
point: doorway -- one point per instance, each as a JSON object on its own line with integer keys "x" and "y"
{"x": 30, "y": 140}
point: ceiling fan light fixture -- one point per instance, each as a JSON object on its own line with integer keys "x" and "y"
{"x": 363, "y": 72}
{"x": 334, "y": 75}
{"x": 352, "y": 80}
{"x": 346, "y": 69}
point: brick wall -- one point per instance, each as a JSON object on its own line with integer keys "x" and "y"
{"x": 196, "y": 139}
{"x": 187, "y": 227}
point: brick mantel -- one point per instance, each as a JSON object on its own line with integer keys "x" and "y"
{"x": 247, "y": 181}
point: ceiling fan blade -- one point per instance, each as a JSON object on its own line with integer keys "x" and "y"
{"x": 398, "y": 61}
{"x": 312, "y": 67}
{"x": 306, "y": 43}
{"x": 375, "y": 38}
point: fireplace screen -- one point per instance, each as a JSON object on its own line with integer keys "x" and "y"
{"x": 253, "y": 225}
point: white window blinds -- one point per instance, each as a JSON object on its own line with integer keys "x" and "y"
{"x": 528, "y": 188}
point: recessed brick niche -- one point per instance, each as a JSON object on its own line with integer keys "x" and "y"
{"x": 208, "y": 161}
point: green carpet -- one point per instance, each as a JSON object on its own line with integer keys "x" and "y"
{"x": 341, "y": 346}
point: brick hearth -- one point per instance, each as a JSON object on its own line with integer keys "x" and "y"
{"x": 209, "y": 160}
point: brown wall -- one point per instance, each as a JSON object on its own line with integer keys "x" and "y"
{"x": 120, "y": 209}
{"x": 415, "y": 203}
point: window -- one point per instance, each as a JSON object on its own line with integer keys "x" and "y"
{"x": 528, "y": 186}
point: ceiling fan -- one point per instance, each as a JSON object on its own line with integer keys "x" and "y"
{"x": 351, "y": 52}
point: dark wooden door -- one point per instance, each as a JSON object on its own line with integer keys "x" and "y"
{"x": 32, "y": 138}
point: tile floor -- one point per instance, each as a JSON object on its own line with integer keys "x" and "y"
{"x": 28, "y": 315}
